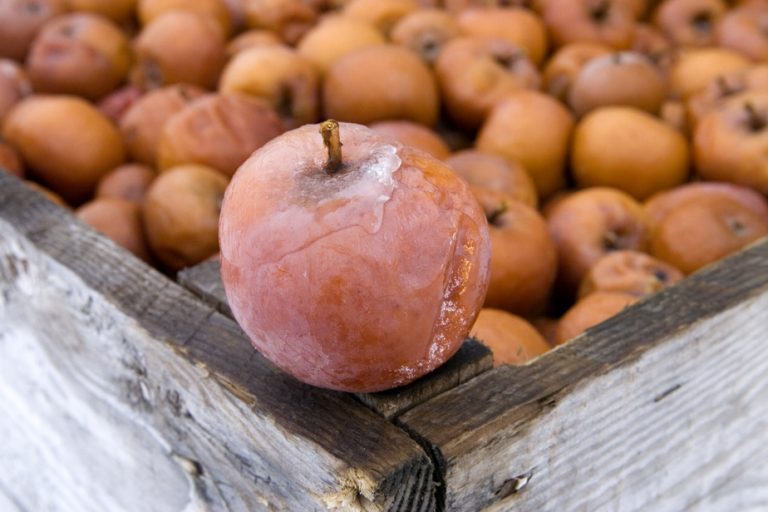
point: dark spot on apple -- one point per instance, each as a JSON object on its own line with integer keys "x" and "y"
{"x": 600, "y": 11}
{"x": 611, "y": 241}
{"x": 756, "y": 121}
{"x": 33, "y": 7}
{"x": 736, "y": 226}
{"x": 507, "y": 59}
{"x": 702, "y": 22}
{"x": 660, "y": 275}
{"x": 430, "y": 48}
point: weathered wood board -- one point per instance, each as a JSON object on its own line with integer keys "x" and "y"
{"x": 472, "y": 359}
{"x": 120, "y": 390}
{"x": 663, "y": 407}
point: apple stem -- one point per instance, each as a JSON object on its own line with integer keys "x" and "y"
{"x": 493, "y": 217}
{"x": 329, "y": 129}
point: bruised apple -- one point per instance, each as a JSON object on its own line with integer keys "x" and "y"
{"x": 356, "y": 271}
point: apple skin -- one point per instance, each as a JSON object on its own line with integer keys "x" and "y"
{"x": 382, "y": 273}
{"x": 731, "y": 143}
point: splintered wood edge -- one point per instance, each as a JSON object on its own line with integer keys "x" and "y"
{"x": 385, "y": 468}
{"x": 472, "y": 358}
{"x": 547, "y": 435}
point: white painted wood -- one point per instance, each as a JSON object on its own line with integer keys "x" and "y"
{"x": 684, "y": 427}
{"x": 98, "y": 415}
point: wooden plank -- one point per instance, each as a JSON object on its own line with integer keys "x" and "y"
{"x": 663, "y": 407}
{"x": 120, "y": 390}
{"x": 472, "y": 359}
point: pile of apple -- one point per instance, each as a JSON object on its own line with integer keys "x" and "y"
{"x": 615, "y": 146}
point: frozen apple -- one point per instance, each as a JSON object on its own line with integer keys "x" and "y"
{"x": 355, "y": 271}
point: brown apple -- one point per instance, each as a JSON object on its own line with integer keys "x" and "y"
{"x": 630, "y": 150}
{"x": 511, "y": 338}
{"x": 290, "y": 19}
{"x": 610, "y": 22}
{"x": 731, "y": 143}
{"x": 217, "y": 130}
{"x": 632, "y": 272}
{"x": 425, "y": 31}
{"x": 588, "y": 224}
{"x": 621, "y": 78}
{"x": 494, "y": 172}
{"x": 523, "y": 256}
{"x": 215, "y": 10}
{"x": 413, "y": 134}
{"x": 14, "y": 86}
{"x": 179, "y": 47}
{"x": 561, "y": 69}
{"x": 20, "y": 21}
{"x": 716, "y": 92}
{"x": 10, "y": 161}
{"x": 380, "y": 82}
{"x": 519, "y": 26}
{"x": 83, "y": 54}
{"x": 143, "y": 122}
{"x": 659, "y": 205}
{"x": 590, "y": 311}
{"x": 65, "y": 141}
{"x": 689, "y": 23}
{"x": 383, "y": 14}
{"x": 335, "y": 36}
{"x": 278, "y": 75}
{"x": 119, "y": 220}
{"x": 697, "y": 233}
{"x": 119, "y": 11}
{"x": 116, "y": 103}
{"x": 475, "y": 73}
{"x": 651, "y": 42}
{"x": 534, "y": 129}
{"x": 694, "y": 68}
{"x": 251, "y": 39}
{"x": 181, "y": 215}
{"x": 744, "y": 29}
{"x": 128, "y": 181}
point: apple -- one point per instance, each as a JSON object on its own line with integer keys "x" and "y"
{"x": 289, "y": 19}
{"x": 14, "y": 85}
{"x": 80, "y": 53}
{"x": 65, "y": 142}
{"x": 523, "y": 256}
{"x": 425, "y": 31}
{"x": 689, "y": 22}
{"x": 610, "y": 22}
{"x": 179, "y": 47}
{"x": 143, "y": 122}
{"x": 588, "y": 224}
{"x": 474, "y": 73}
{"x": 731, "y": 143}
{"x": 335, "y": 36}
{"x": 382, "y": 272}
{"x": 621, "y": 78}
{"x": 380, "y": 82}
{"x": 279, "y": 75}
{"x": 519, "y": 26}
{"x": 561, "y": 69}
{"x": 743, "y": 29}
{"x": 217, "y": 130}
{"x": 534, "y": 129}
{"x": 20, "y": 21}
{"x": 180, "y": 215}
{"x": 630, "y": 150}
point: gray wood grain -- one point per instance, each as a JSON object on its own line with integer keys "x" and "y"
{"x": 111, "y": 372}
{"x": 472, "y": 359}
{"x": 663, "y": 407}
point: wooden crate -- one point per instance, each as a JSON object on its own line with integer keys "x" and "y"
{"x": 122, "y": 390}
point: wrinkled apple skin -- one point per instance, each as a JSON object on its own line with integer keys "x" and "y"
{"x": 362, "y": 280}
